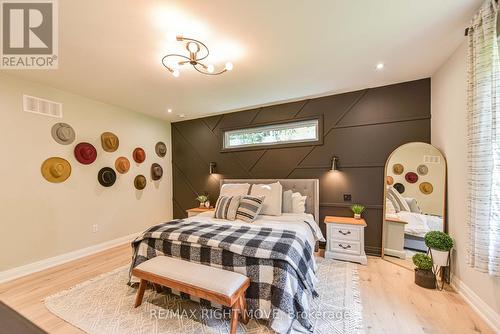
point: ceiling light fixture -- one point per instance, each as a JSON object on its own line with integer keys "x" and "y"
{"x": 380, "y": 66}
{"x": 197, "y": 52}
{"x": 169, "y": 110}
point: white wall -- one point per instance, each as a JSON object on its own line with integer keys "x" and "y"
{"x": 448, "y": 126}
{"x": 39, "y": 219}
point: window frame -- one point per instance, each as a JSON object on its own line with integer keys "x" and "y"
{"x": 319, "y": 141}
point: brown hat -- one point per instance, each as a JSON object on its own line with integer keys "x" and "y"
{"x": 122, "y": 165}
{"x": 426, "y": 188}
{"x": 156, "y": 172}
{"x": 398, "y": 169}
{"x": 109, "y": 142}
{"x": 56, "y": 169}
{"x": 63, "y": 133}
{"x": 161, "y": 149}
{"x": 139, "y": 155}
{"x": 140, "y": 182}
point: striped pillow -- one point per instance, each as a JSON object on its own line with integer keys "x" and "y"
{"x": 249, "y": 208}
{"x": 226, "y": 207}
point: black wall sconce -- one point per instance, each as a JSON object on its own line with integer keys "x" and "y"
{"x": 335, "y": 164}
{"x": 212, "y": 168}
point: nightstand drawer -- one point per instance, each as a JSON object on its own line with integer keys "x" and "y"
{"x": 345, "y": 232}
{"x": 347, "y": 247}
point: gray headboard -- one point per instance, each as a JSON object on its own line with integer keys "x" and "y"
{"x": 307, "y": 187}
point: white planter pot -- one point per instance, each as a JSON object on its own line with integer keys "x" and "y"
{"x": 439, "y": 258}
{"x": 357, "y": 216}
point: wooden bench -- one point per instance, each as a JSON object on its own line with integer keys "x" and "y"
{"x": 216, "y": 285}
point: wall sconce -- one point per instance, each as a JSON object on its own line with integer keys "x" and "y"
{"x": 212, "y": 168}
{"x": 335, "y": 164}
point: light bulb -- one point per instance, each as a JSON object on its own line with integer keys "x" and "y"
{"x": 169, "y": 110}
{"x": 210, "y": 68}
{"x": 176, "y": 73}
{"x": 193, "y": 47}
{"x": 229, "y": 66}
{"x": 380, "y": 66}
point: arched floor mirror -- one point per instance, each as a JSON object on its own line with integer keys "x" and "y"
{"x": 414, "y": 200}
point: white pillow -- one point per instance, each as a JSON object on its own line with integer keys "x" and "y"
{"x": 234, "y": 189}
{"x": 273, "y": 197}
{"x": 413, "y": 204}
{"x": 287, "y": 201}
{"x": 298, "y": 203}
{"x": 403, "y": 206}
{"x": 389, "y": 207}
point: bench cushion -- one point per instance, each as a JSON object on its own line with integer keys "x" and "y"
{"x": 213, "y": 279}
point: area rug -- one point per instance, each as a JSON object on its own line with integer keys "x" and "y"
{"x": 104, "y": 305}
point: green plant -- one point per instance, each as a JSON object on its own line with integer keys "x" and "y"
{"x": 438, "y": 240}
{"x": 357, "y": 208}
{"x": 202, "y": 198}
{"x": 422, "y": 261}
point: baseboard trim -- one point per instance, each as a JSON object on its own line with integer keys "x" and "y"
{"x": 484, "y": 310}
{"x": 34, "y": 267}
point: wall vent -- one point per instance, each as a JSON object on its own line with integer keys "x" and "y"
{"x": 40, "y": 106}
{"x": 432, "y": 159}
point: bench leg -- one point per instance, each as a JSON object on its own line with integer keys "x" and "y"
{"x": 140, "y": 293}
{"x": 243, "y": 308}
{"x": 234, "y": 318}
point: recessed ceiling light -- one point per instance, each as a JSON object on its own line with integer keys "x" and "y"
{"x": 182, "y": 115}
{"x": 169, "y": 110}
{"x": 380, "y": 66}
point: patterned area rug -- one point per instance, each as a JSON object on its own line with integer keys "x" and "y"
{"x": 105, "y": 305}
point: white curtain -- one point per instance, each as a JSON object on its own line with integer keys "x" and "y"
{"x": 483, "y": 104}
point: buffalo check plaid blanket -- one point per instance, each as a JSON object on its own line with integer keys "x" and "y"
{"x": 279, "y": 263}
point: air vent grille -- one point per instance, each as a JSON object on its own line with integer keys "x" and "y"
{"x": 40, "y": 106}
{"x": 432, "y": 159}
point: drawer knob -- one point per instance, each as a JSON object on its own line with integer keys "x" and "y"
{"x": 344, "y": 233}
{"x": 345, "y": 247}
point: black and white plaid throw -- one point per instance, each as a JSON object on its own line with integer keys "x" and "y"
{"x": 279, "y": 263}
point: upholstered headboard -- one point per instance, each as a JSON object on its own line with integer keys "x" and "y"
{"x": 307, "y": 187}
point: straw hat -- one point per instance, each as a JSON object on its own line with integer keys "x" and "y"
{"x": 156, "y": 172}
{"x": 106, "y": 177}
{"x": 139, "y": 155}
{"x": 122, "y": 165}
{"x": 426, "y": 188}
{"x": 109, "y": 142}
{"x": 63, "y": 133}
{"x": 398, "y": 169}
{"x": 140, "y": 182}
{"x": 161, "y": 149}
{"x": 56, "y": 169}
{"x": 85, "y": 153}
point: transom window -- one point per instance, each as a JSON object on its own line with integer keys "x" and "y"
{"x": 304, "y": 131}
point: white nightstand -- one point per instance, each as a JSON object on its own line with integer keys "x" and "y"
{"x": 196, "y": 211}
{"x": 345, "y": 239}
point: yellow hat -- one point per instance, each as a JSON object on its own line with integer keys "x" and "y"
{"x": 56, "y": 169}
{"x": 109, "y": 142}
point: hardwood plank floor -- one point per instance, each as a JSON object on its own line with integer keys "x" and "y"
{"x": 392, "y": 303}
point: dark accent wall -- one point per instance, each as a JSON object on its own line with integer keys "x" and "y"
{"x": 362, "y": 128}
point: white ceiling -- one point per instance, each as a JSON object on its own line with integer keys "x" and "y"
{"x": 282, "y": 50}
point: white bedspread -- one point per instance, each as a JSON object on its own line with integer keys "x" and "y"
{"x": 419, "y": 224}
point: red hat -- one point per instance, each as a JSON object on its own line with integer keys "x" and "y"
{"x": 139, "y": 155}
{"x": 85, "y": 153}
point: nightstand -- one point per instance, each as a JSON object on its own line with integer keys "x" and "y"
{"x": 345, "y": 239}
{"x": 196, "y": 211}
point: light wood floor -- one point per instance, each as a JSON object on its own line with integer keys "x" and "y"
{"x": 392, "y": 303}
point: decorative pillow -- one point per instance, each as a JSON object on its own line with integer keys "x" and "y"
{"x": 273, "y": 197}
{"x": 226, "y": 207}
{"x": 298, "y": 203}
{"x": 393, "y": 201}
{"x": 249, "y": 208}
{"x": 403, "y": 206}
{"x": 413, "y": 204}
{"x": 287, "y": 201}
{"x": 234, "y": 189}
{"x": 389, "y": 207}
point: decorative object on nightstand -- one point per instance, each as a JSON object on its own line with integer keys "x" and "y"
{"x": 202, "y": 199}
{"x": 196, "y": 211}
{"x": 357, "y": 209}
{"x": 345, "y": 239}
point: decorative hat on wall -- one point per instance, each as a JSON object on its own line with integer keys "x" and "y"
{"x": 156, "y": 172}
{"x": 422, "y": 169}
{"x": 389, "y": 180}
{"x": 122, "y": 165}
{"x": 140, "y": 182}
{"x": 411, "y": 177}
{"x": 398, "y": 169}
{"x": 161, "y": 149}
{"x": 106, "y": 177}
{"x": 63, "y": 133}
{"x": 139, "y": 155}
{"x": 399, "y": 187}
{"x": 426, "y": 188}
{"x": 56, "y": 170}
{"x": 109, "y": 142}
{"x": 85, "y": 153}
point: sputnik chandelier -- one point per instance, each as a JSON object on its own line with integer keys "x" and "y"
{"x": 197, "y": 52}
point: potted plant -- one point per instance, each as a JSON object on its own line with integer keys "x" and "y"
{"x": 440, "y": 245}
{"x": 357, "y": 209}
{"x": 424, "y": 276}
{"x": 202, "y": 199}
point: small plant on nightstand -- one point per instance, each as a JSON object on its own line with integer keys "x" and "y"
{"x": 202, "y": 199}
{"x": 357, "y": 209}
{"x": 424, "y": 276}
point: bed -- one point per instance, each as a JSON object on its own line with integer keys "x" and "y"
{"x": 275, "y": 252}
